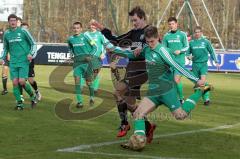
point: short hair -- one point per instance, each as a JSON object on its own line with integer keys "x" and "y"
{"x": 25, "y": 24}
{"x": 197, "y": 28}
{"x": 170, "y": 19}
{"x": 78, "y": 23}
{"x": 151, "y": 32}
{"x": 138, "y": 11}
{"x": 12, "y": 16}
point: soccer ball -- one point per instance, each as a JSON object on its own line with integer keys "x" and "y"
{"x": 137, "y": 142}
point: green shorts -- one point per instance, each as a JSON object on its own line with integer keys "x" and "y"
{"x": 200, "y": 69}
{"x": 19, "y": 70}
{"x": 169, "y": 99}
{"x": 96, "y": 63}
{"x": 83, "y": 71}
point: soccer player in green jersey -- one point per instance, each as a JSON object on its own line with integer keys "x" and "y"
{"x": 161, "y": 90}
{"x": 81, "y": 48}
{"x": 19, "y": 43}
{"x": 177, "y": 43}
{"x": 199, "y": 49}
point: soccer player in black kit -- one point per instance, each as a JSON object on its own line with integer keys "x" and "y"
{"x": 128, "y": 89}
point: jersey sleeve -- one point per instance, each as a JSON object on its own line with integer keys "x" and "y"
{"x": 31, "y": 41}
{"x": 172, "y": 62}
{"x": 116, "y": 39}
{"x": 212, "y": 52}
{"x": 5, "y": 48}
{"x": 185, "y": 43}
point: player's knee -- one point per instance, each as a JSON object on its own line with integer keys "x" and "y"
{"x": 177, "y": 80}
{"x": 22, "y": 82}
{"x": 179, "y": 114}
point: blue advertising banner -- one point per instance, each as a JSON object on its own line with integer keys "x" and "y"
{"x": 58, "y": 54}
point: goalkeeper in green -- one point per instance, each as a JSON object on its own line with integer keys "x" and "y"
{"x": 199, "y": 49}
{"x": 162, "y": 88}
{"x": 19, "y": 43}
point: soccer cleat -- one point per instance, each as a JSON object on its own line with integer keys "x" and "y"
{"x": 205, "y": 88}
{"x": 19, "y": 106}
{"x": 91, "y": 102}
{"x": 207, "y": 103}
{"x": 136, "y": 143}
{"x": 149, "y": 134}
{"x": 181, "y": 101}
{"x": 38, "y": 96}
{"x": 79, "y": 105}
{"x": 34, "y": 102}
{"x": 123, "y": 130}
{"x": 4, "y": 92}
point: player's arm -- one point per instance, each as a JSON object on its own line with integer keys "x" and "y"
{"x": 31, "y": 41}
{"x": 185, "y": 43}
{"x": 70, "y": 48}
{"x": 212, "y": 52}
{"x": 171, "y": 62}
{"x": 5, "y": 48}
{"x": 92, "y": 43}
{"x": 189, "y": 52}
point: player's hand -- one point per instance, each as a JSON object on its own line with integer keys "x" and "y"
{"x": 30, "y": 58}
{"x": 218, "y": 66}
{"x": 137, "y": 51}
{"x": 200, "y": 82}
{"x": 177, "y": 52}
{"x": 190, "y": 57}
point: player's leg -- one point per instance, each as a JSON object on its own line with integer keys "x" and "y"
{"x": 89, "y": 76}
{"x": 96, "y": 83}
{"x": 177, "y": 78}
{"x": 15, "y": 81}
{"x": 203, "y": 72}
{"x": 77, "y": 73}
{"x": 138, "y": 139}
{"x": 23, "y": 75}
{"x": 5, "y": 70}
{"x": 32, "y": 81}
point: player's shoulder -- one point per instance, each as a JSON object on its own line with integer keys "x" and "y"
{"x": 7, "y": 31}
{"x": 70, "y": 38}
{"x": 167, "y": 33}
{"x": 182, "y": 32}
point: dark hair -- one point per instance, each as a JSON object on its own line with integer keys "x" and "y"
{"x": 197, "y": 28}
{"x": 172, "y": 19}
{"x": 24, "y": 24}
{"x": 78, "y": 23}
{"x": 12, "y": 16}
{"x": 151, "y": 32}
{"x": 138, "y": 11}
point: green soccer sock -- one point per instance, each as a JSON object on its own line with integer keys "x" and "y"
{"x": 78, "y": 93}
{"x": 206, "y": 96}
{"x": 96, "y": 83}
{"x": 28, "y": 89}
{"x": 82, "y": 81}
{"x": 180, "y": 90}
{"x": 16, "y": 93}
{"x": 190, "y": 103}
{"x": 139, "y": 127}
{"x": 91, "y": 90}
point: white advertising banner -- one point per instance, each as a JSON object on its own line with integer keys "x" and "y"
{"x": 10, "y": 7}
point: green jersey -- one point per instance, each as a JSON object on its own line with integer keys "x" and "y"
{"x": 176, "y": 41}
{"x": 200, "y": 48}
{"x": 80, "y": 47}
{"x": 19, "y": 44}
{"x": 99, "y": 40}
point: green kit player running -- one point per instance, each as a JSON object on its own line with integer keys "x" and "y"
{"x": 81, "y": 48}
{"x": 161, "y": 90}
{"x": 19, "y": 43}
{"x": 177, "y": 43}
{"x": 199, "y": 48}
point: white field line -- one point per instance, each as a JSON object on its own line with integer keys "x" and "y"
{"x": 83, "y": 147}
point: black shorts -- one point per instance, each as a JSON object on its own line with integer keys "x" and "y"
{"x": 31, "y": 72}
{"x": 136, "y": 76}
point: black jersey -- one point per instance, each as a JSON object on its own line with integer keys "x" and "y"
{"x": 136, "y": 69}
